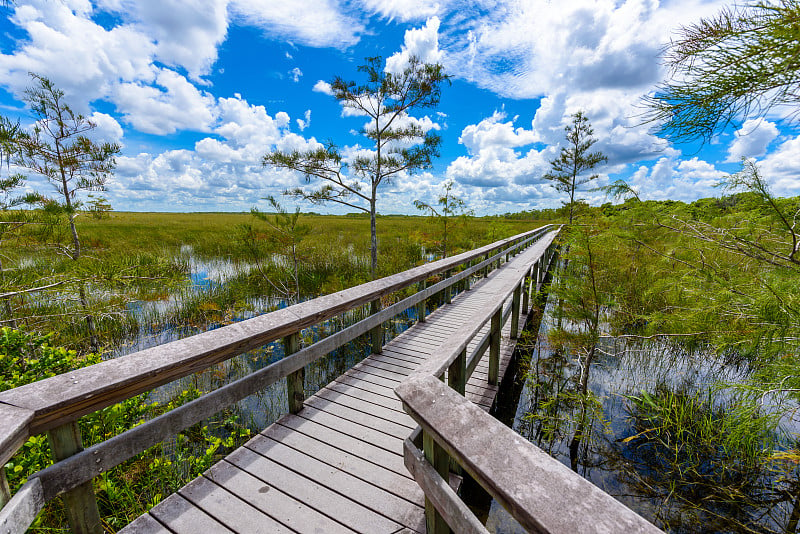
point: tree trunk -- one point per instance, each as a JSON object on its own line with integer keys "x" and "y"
{"x": 444, "y": 252}
{"x": 373, "y": 238}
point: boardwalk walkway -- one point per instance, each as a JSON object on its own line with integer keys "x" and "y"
{"x": 337, "y": 465}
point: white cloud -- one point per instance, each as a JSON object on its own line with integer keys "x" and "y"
{"x": 295, "y": 73}
{"x": 526, "y": 49}
{"x": 106, "y": 128}
{"x": 781, "y": 168}
{"x": 675, "y": 179}
{"x": 422, "y": 43}
{"x": 405, "y": 9}
{"x": 323, "y": 87}
{"x": 305, "y": 122}
{"x": 79, "y": 56}
{"x": 223, "y": 170}
{"x": 323, "y": 24}
{"x": 186, "y": 32}
{"x": 752, "y": 139}
{"x": 493, "y": 160}
{"x": 177, "y": 105}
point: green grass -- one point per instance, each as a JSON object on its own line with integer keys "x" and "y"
{"x": 137, "y": 256}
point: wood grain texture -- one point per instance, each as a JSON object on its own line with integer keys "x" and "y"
{"x": 14, "y": 430}
{"x": 505, "y": 464}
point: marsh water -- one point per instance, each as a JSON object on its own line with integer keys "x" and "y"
{"x": 159, "y": 321}
{"x": 684, "y": 480}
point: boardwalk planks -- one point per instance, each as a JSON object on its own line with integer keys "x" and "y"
{"x": 338, "y": 463}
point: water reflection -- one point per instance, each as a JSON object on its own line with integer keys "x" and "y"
{"x": 656, "y": 432}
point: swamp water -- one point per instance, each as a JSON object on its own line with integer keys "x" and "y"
{"x": 204, "y": 278}
{"x": 670, "y": 456}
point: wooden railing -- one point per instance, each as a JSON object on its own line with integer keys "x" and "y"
{"x": 541, "y": 493}
{"x": 55, "y": 404}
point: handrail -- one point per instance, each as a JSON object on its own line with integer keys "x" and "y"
{"x": 537, "y": 490}
{"x": 59, "y": 401}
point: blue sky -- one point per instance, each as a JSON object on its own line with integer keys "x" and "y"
{"x": 197, "y": 91}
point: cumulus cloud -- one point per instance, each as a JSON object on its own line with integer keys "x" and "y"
{"x": 186, "y": 33}
{"x": 676, "y": 179}
{"x": 175, "y": 104}
{"x": 492, "y": 160}
{"x": 752, "y": 139}
{"x": 78, "y": 55}
{"x": 222, "y": 171}
{"x": 107, "y": 129}
{"x": 304, "y": 123}
{"x": 781, "y": 168}
{"x": 526, "y": 49}
{"x": 422, "y": 43}
{"x": 323, "y": 87}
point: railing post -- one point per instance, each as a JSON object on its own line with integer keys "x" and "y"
{"x": 5, "y": 490}
{"x": 422, "y": 304}
{"x": 457, "y": 379}
{"x": 539, "y": 276}
{"x": 457, "y": 373}
{"x": 486, "y": 267}
{"x": 80, "y": 503}
{"x": 448, "y": 291}
{"x": 526, "y": 290}
{"x": 377, "y": 332}
{"x": 515, "y": 302}
{"x": 494, "y": 346}
{"x": 295, "y": 382}
{"x": 438, "y": 458}
{"x": 466, "y": 278}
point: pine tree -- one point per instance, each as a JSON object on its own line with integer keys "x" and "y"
{"x": 575, "y": 159}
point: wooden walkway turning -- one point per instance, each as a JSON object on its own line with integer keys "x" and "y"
{"x": 337, "y": 465}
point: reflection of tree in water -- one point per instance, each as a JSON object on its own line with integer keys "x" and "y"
{"x": 683, "y": 462}
{"x": 561, "y": 419}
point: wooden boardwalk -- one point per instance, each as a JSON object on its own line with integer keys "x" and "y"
{"x": 337, "y": 465}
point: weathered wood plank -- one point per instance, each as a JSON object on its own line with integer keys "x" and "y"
{"x": 390, "y": 460}
{"x": 559, "y": 501}
{"x": 145, "y": 524}
{"x": 229, "y": 509}
{"x": 18, "y": 513}
{"x": 450, "y": 506}
{"x": 355, "y": 489}
{"x": 359, "y": 430}
{"x": 14, "y": 430}
{"x": 272, "y": 501}
{"x": 382, "y": 415}
{"x": 182, "y": 517}
{"x": 383, "y": 390}
{"x": 317, "y": 496}
{"x": 348, "y": 461}
{"x": 385, "y": 401}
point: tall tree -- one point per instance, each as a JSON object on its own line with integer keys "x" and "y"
{"x": 399, "y": 143}
{"x": 449, "y": 205}
{"x": 575, "y": 159}
{"x": 12, "y": 219}
{"x": 59, "y": 149}
{"x": 740, "y": 63}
